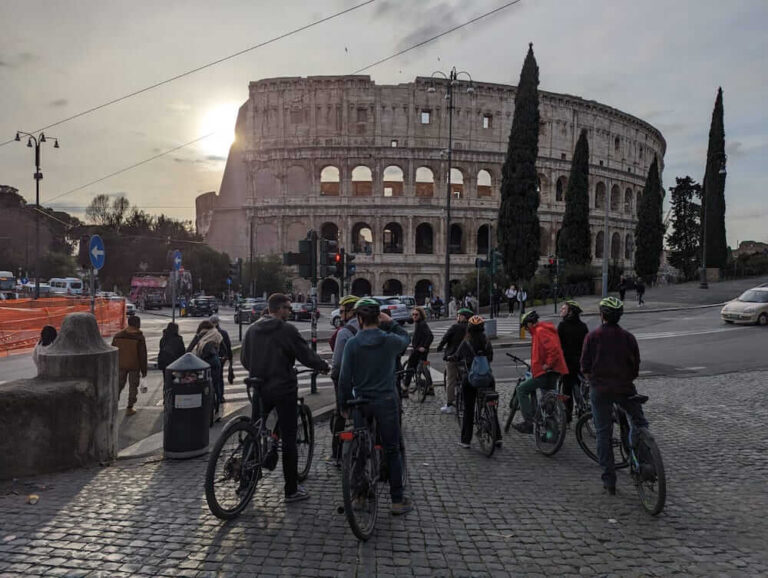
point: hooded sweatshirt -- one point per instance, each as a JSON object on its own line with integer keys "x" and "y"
{"x": 368, "y": 364}
{"x": 171, "y": 348}
{"x": 270, "y": 349}
{"x": 546, "y": 350}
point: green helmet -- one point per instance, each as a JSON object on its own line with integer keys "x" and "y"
{"x": 530, "y": 317}
{"x": 465, "y": 312}
{"x": 612, "y": 309}
{"x": 367, "y": 306}
{"x": 573, "y": 306}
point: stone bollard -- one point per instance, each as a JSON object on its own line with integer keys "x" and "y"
{"x": 67, "y": 416}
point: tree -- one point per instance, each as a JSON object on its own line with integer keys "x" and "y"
{"x": 649, "y": 235}
{"x": 518, "y": 228}
{"x": 98, "y": 211}
{"x": 714, "y": 189}
{"x": 574, "y": 243}
{"x": 684, "y": 240}
{"x": 268, "y": 275}
{"x": 54, "y": 264}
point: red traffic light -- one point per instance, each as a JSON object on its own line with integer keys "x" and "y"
{"x": 551, "y": 260}
{"x": 338, "y": 257}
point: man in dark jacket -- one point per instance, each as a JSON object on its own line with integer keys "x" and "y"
{"x": 132, "y": 360}
{"x": 225, "y": 350}
{"x": 451, "y": 341}
{"x": 270, "y": 348}
{"x": 171, "y": 346}
{"x": 420, "y": 342}
{"x": 572, "y": 331}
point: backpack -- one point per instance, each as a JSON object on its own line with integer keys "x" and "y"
{"x": 480, "y": 374}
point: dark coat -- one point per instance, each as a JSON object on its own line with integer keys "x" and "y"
{"x": 572, "y": 332}
{"x": 452, "y": 338}
{"x": 171, "y": 348}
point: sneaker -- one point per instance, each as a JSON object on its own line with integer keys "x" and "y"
{"x": 400, "y": 508}
{"x": 465, "y": 446}
{"x": 448, "y": 409}
{"x": 525, "y": 427}
{"x": 498, "y": 443}
{"x": 610, "y": 490}
{"x": 130, "y": 411}
{"x": 299, "y": 495}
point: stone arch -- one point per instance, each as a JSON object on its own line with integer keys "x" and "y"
{"x": 425, "y": 244}
{"x": 615, "y": 198}
{"x": 425, "y": 182}
{"x": 393, "y": 238}
{"x": 629, "y": 241}
{"x": 393, "y": 181}
{"x": 600, "y": 195}
{"x": 560, "y": 188}
{"x": 297, "y": 182}
{"x": 457, "y": 183}
{"x": 456, "y": 243}
{"x": 482, "y": 240}
{"x": 628, "y": 197}
{"x": 330, "y": 181}
{"x": 392, "y": 287}
{"x": 422, "y": 290}
{"x": 543, "y": 188}
{"x": 615, "y": 247}
{"x": 361, "y": 287}
{"x": 362, "y": 238}
{"x": 599, "y": 244}
{"x": 265, "y": 185}
{"x": 484, "y": 183}
{"x": 362, "y": 181}
{"x": 328, "y": 289}
{"x": 329, "y": 231}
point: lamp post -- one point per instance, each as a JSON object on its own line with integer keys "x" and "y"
{"x": 453, "y": 81}
{"x": 38, "y": 176}
{"x": 703, "y": 284}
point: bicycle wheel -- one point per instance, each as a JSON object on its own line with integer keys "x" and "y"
{"x": 648, "y": 473}
{"x": 550, "y": 425}
{"x": 359, "y": 476}
{"x": 514, "y": 409}
{"x": 459, "y": 403}
{"x": 586, "y": 436}
{"x": 234, "y": 469}
{"x": 486, "y": 431}
{"x": 423, "y": 381}
{"x": 305, "y": 441}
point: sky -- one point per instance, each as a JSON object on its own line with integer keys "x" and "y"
{"x": 659, "y": 60}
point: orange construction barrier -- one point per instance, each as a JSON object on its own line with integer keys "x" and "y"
{"x": 21, "y": 320}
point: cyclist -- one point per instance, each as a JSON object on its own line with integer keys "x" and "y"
{"x": 475, "y": 342}
{"x": 611, "y": 362}
{"x": 269, "y": 352}
{"x": 347, "y": 330}
{"x": 422, "y": 339}
{"x": 546, "y": 362}
{"x": 451, "y": 341}
{"x": 368, "y": 365}
{"x": 572, "y": 331}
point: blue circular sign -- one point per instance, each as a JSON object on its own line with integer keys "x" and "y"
{"x": 176, "y": 260}
{"x": 96, "y": 252}
{"x": 24, "y": 280}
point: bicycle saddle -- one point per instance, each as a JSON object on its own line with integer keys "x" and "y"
{"x": 638, "y": 398}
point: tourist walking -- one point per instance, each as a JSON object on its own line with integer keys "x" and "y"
{"x": 132, "y": 348}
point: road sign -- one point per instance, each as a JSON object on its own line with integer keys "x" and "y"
{"x": 176, "y": 260}
{"x": 24, "y": 280}
{"x": 96, "y": 252}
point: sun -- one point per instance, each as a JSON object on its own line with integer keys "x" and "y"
{"x": 220, "y": 120}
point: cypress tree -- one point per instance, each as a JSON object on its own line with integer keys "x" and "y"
{"x": 684, "y": 240}
{"x": 574, "y": 244}
{"x": 649, "y": 235}
{"x": 714, "y": 189}
{"x": 518, "y": 228}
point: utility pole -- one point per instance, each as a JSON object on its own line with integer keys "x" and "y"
{"x": 605, "y": 245}
{"x": 491, "y": 271}
{"x": 250, "y": 258}
{"x": 313, "y": 295}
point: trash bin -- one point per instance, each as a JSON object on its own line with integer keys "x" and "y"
{"x": 490, "y": 328}
{"x": 187, "y": 400}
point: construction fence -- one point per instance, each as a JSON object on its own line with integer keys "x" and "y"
{"x": 21, "y": 320}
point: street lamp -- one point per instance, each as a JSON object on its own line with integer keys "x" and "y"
{"x": 37, "y": 140}
{"x": 453, "y": 81}
{"x": 703, "y": 272}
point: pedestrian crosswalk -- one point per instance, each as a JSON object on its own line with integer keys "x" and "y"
{"x": 505, "y": 326}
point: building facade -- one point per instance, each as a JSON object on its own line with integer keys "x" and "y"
{"x": 367, "y": 165}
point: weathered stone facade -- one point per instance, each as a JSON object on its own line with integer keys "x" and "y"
{"x": 344, "y": 156}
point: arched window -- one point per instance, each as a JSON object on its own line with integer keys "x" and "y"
{"x": 600, "y": 195}
{"x": 562, "y": 184}
{"x": 543, "y": 189}
{"x": 599, "y": 245}
{"x": 615, "y": 198}
{"x": 329, "y": 231}
{"x": 422, "y": 290}
{"x": 616, "y": 144}
{"x": 328, "y": 289}
{"x": 361, "y": 287}
{"x": 329, "y": 181}
{"x": 392, "y": 287}
{"x": 424, "y": 239}
{"x": 628, "y": 246}
{"x": 393, "y": 181}
{"x": 265, "y": 185}
{"x": 362, "y": 181}
{"x": 393, "y": 238}
{"x": 457, "y": 183}
{"x": 615, "y": 246}
{"x": 297, "y": 182}
{"x": 484, "y": 183}
{"x": 456, "y": 244}
{"x": 425, "y": 182}
{"x": 482, "y": 240}
{"x": 362, "y": 238}
{"x": 628, "y": 201}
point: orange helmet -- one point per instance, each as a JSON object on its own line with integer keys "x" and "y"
{"x": 476, "y": 320}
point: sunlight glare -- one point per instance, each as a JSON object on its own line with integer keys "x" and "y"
{"x": 221, "y": 120}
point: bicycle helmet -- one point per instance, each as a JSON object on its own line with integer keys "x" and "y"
{"x": 573, "y": 306}
{"x": 466, "y": 312}
{"x": 530, "y": 317}
{"x": 367, "y": 306}
{"x": 612, "y": 309}
{"x": 348, "y": 301}
{"x": 476, "y": 321}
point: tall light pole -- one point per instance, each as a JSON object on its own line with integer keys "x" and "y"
{"x": 703, "y": 284}
{"x": 38, "y": 176}
{"x": 453, "y": 81}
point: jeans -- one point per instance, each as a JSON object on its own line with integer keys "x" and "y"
{"x": 133, "y": 376}
{"x": 338, "y": 423}
{"x": 470, "y": 397}
{"x": 602, "y": 415}
{"x": 386, "y": 411}
{"x": 287, "y": 427}
{"x": 451, "y": 380}
{"x": 526, "y": 392}
{"x": 570, "y": 381}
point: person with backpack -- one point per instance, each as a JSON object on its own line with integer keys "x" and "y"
{"x": 476, "y": 353}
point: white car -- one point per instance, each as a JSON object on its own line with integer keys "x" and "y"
{"x": 392, "y": 306}
{"x": 130, "y": 308}
{"x": 749, "y": 307}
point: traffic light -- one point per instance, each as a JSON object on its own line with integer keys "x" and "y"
{"x": 328, "y": 252}
{"x": 339, "y": 261}
{"x": 304, "y": 258}
{"x": 495, "y": 261}
{"x": 82, "y": 255}
{"x": 350, "y": 267}
{"x": 551, "y": 265}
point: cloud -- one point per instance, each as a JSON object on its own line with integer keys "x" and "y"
{"x": 18, "y": 60}
{"x": 59, "y": 102}
{"x": 216, "y": 158}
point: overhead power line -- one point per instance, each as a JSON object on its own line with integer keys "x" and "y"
{"x": 199, "y": 68}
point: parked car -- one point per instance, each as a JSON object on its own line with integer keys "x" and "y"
{"x": 202, "y": 307}
{"x": 66, "y": 285}
{"x": 409, "y": 300}
{"x": 395, "y": 308}
{"x": 130, "y": 308}
{"x": 302, "y": 311}
{"x": 749, "y": 307}
{"x": 249, "y": 310}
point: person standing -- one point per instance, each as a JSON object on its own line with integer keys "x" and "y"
{"x": 511, "y": 295}
{"x": 206, "y": 345}
{"x": 132, "y": 349}
{"x": 47, "y": 336}
{"x": 225, "y": 351}
{"x": 420, "y": 342}
{"x": 171, "y": 346}
{"x": 450, "y": 342}
{"x": 572, "y": 331}
{"x": 640, "y": 289}
{"x": 622, "y": 287}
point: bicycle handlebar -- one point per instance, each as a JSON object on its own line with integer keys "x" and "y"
{"x": 518, "y": 360}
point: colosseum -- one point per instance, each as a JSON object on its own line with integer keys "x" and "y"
{"x": 366, "y": 165}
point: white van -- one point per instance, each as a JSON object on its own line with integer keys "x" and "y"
{"x": 66, "y": 286}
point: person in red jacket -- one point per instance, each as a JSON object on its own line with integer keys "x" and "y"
{"x": 547, "y": 361}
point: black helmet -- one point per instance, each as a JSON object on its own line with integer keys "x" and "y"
{"x": 530, "y": 317}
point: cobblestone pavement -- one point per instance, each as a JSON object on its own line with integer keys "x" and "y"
{"x": 516, "y": 513}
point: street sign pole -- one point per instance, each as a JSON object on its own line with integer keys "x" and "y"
{"x": 174, "y": 276}
{"x": 97, "y": 256}
{"x": 491, "y": 271}
{"x": 93, "y": 294}
{"x": 313, "y": 293}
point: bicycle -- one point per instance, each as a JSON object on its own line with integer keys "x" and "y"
{"x": 247, "y": 447}
{"x": 364, "y": 471}
{"x": 642, "y": 456}
{"x": 549, "y": 420}
{"x": 422, "y": 380}
{"x": 486, "y": 420}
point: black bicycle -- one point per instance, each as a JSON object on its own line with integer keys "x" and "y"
{"x": 549, "y": 420}
{"x": 486, "y": 420}
{"x": 642, "y": 456}
{"x": 422, "y": 380}
{"x": 246, "y": 447}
